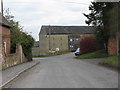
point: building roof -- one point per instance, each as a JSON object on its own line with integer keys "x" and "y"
{"x": 4, "y": 22}
{"x": 68, "y": 29}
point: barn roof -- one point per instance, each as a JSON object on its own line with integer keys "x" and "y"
{"x": 68, "y": 29}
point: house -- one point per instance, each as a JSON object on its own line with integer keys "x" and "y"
{"x": 62, "y": 38}
{"x": 8, "y": 59}
{"x": 4, "y": 36}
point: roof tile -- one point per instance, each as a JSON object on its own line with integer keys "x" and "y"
{"x": 68, "y": 29}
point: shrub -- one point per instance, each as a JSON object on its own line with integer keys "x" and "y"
{"x": 88, "y": 44}
{"x": 27, "y": 42}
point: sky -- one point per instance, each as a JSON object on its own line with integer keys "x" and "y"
{"x": 32, "y": 14}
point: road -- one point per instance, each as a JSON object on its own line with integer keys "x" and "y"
{"x": 64, "y": 71}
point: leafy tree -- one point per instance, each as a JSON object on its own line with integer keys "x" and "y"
{"x": 95, "y": 17}
{"x": 27, "y": 42}
{"x": 19, "y": 37}
{"x": 15, "y": 35}
{"x": 102, "y": 16}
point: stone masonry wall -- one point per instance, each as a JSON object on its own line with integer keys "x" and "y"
{"x": 14, "y": 59}
{"x": 36, "y": 51}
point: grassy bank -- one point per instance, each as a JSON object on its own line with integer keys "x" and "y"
{"x": 0, "y": 66}
{"x": 112, "y": 61}
{"x": 54, "y": 54}
{"x": 96, "y": 54}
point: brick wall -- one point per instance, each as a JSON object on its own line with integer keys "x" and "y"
{"x": 0, "y": 55}
{"x": 112, "y": 46}
{"x": 0, "y": 44}
{"x": 6, "y": 38}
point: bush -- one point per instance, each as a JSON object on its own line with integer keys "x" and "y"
{"x": 27, "y": 42}
{"x": 88, "y": 44}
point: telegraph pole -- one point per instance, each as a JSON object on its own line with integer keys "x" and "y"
{"x": 2, "y": 7}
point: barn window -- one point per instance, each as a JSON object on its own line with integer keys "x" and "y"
{"x": 71, "y": 46}
{"x": 71, "y": 40}
{"x": 77, "y": 39}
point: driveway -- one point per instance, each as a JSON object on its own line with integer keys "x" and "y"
{"x": 64, "y": 71}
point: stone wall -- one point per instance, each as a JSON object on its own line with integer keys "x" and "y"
{"x": 14, "y": 59}
{"x": 58, "y": 41}
{"x": 36, "y": 51}
{"x": 43, "y": 43}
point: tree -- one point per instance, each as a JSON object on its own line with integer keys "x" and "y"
{"x": 100, "y": 17}
{"x": 19, "y": 37}
{"x": 27, "y": 42}
{"x": 95, "y": 17}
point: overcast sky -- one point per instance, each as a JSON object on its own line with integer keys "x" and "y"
{"x": 32, "y": 14}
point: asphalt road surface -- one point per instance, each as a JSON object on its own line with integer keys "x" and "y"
{"x": 64, "y": 71}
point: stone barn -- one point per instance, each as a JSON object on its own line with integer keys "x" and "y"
{"x": 62, "y": 38}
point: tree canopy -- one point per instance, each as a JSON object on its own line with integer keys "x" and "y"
{"x": 19, "y": 37}
{"x": 103, "y": 15}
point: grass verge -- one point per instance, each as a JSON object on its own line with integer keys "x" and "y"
{"x": 55, "y": 54}
{"x": 96, "y": 54}
{"x": 0, "y": 66}
{"x": 112, "y": 61}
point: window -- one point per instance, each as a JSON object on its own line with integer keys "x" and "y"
{"x": 46, "y": 36}
{"x": 71, "y": 40}
{"x": 71, "y": 46}
{"x": 77, "y": 39}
